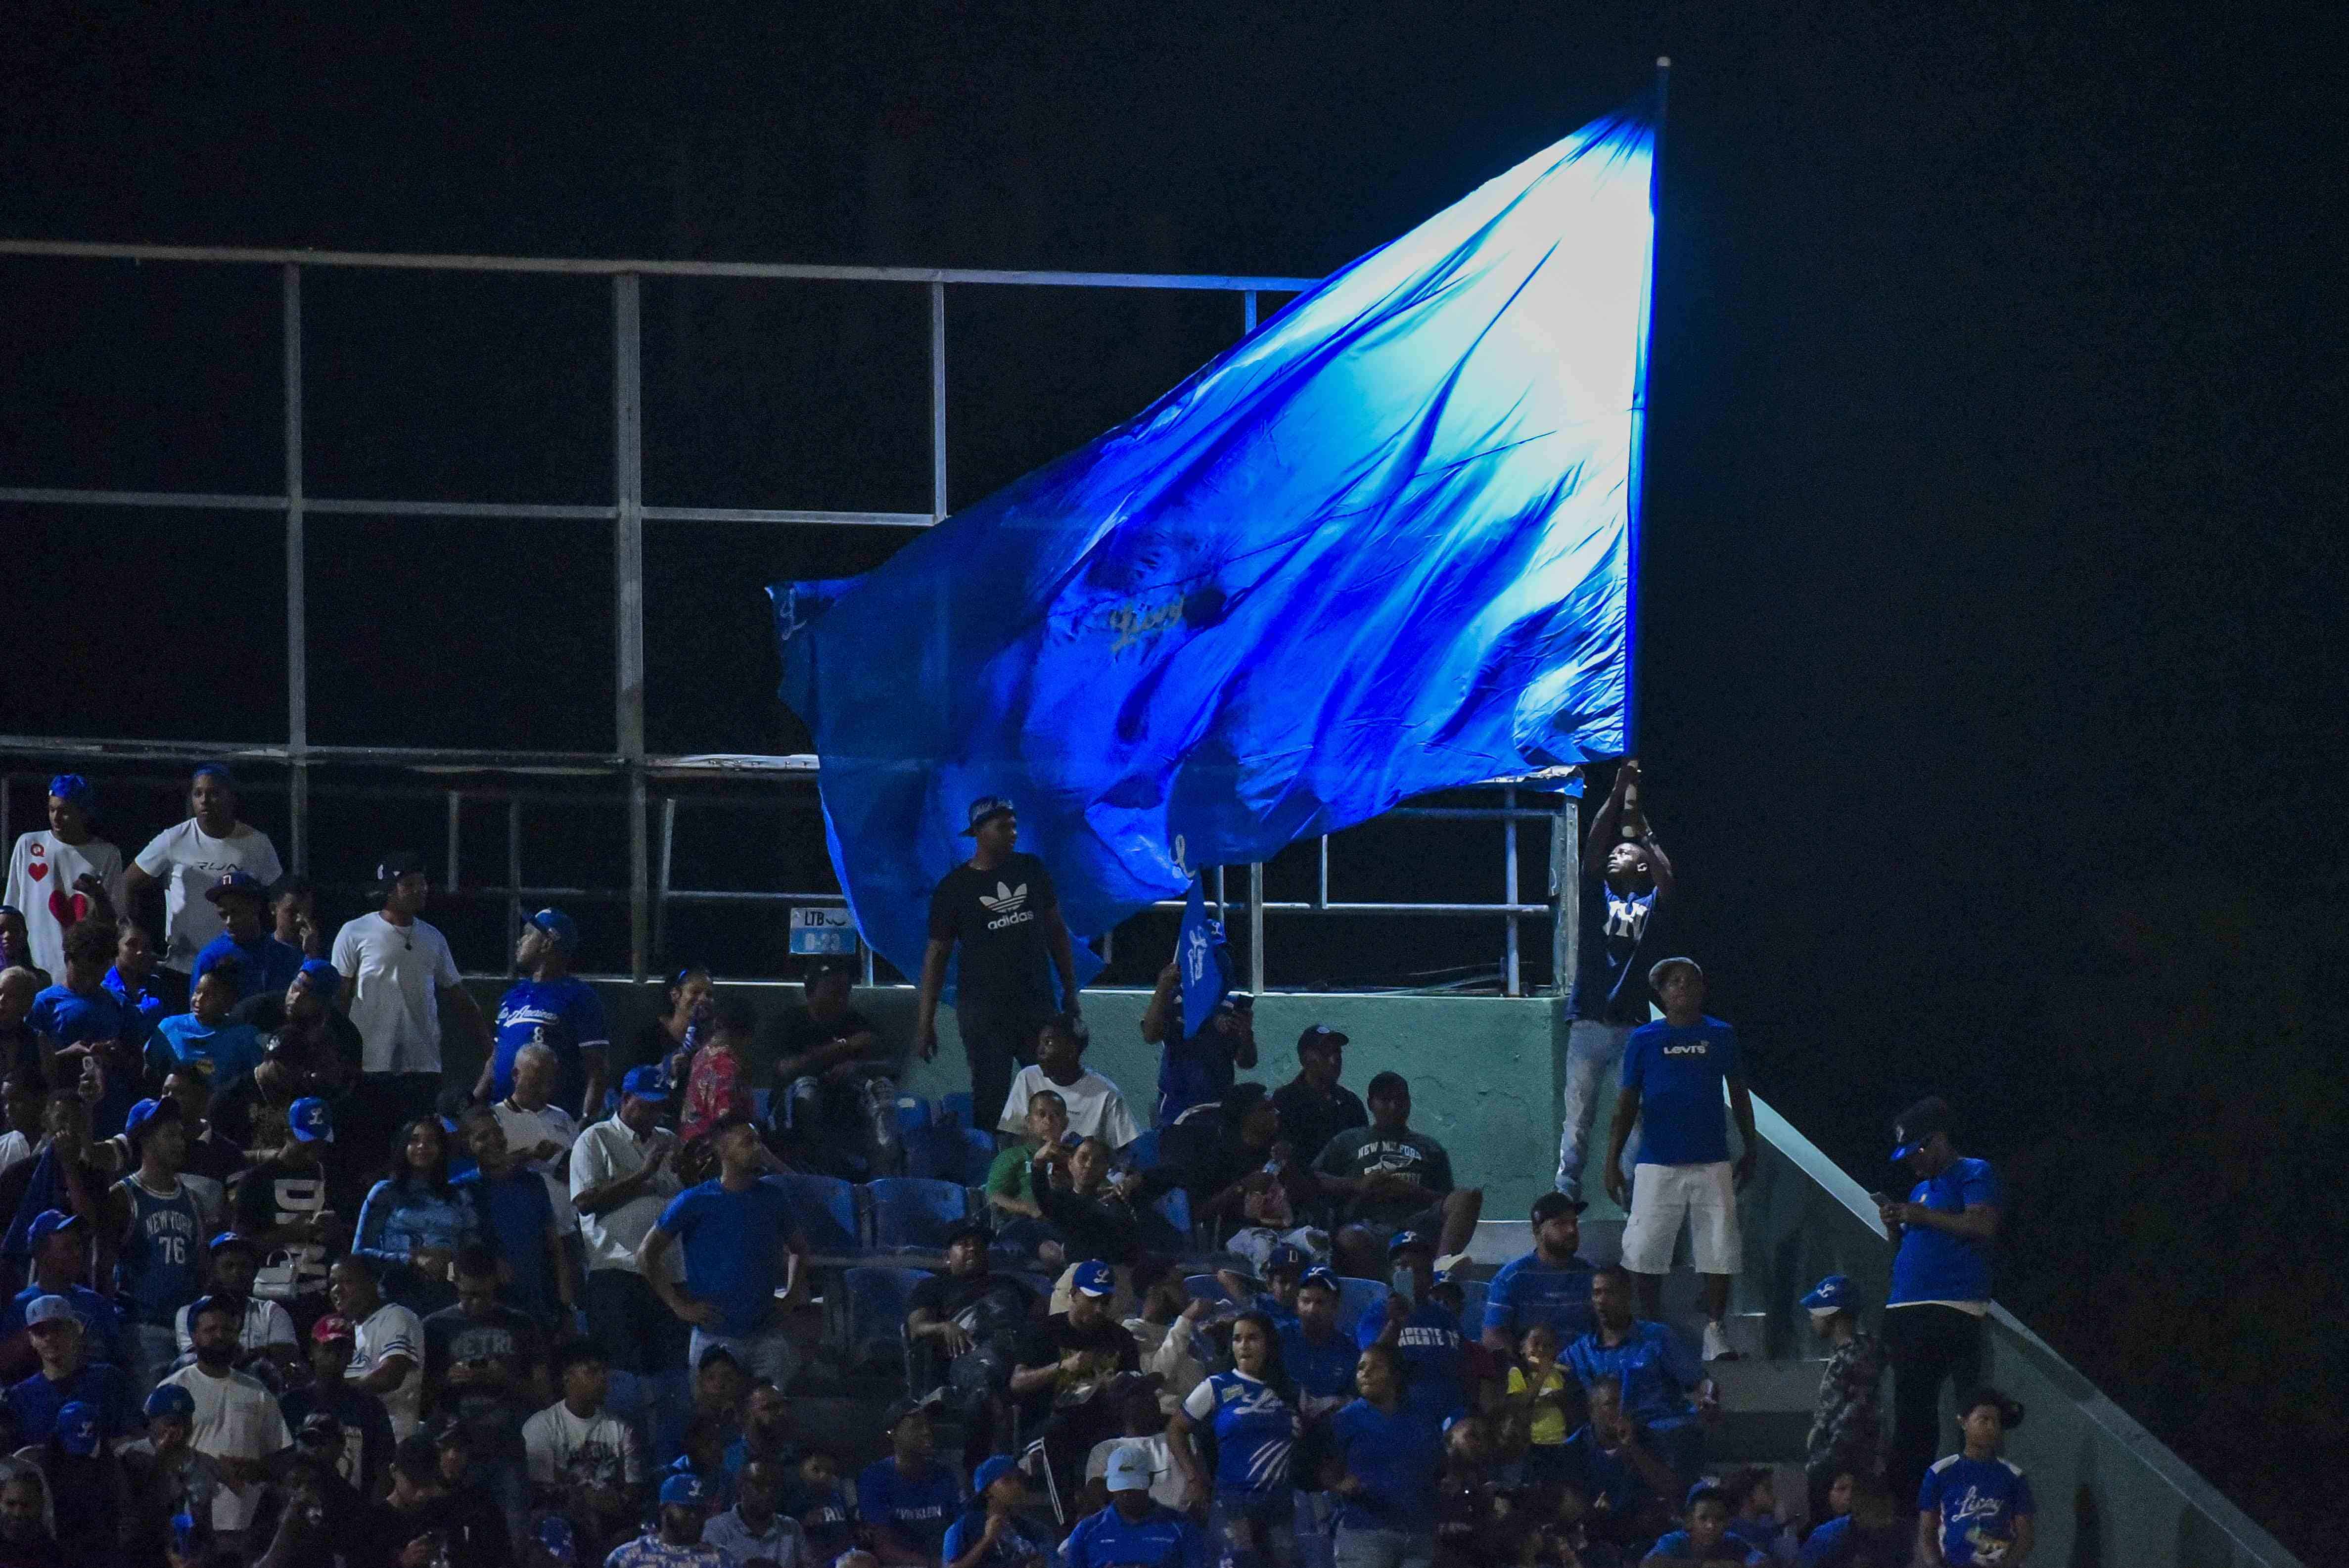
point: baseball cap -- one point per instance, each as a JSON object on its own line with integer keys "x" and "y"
{"x": 1323, "y": 1276}
{"x": 1129, "y": 1469}
{"x": 50, "y": 1309}
{"x": 559, "y": 925}
{"x": 318, "y": 1426}
{"x": 1831, "y": 1294}
{"x": 1403, "y": 1239}
{"x": 228, "y": 1239}
{"x": 147, "y": 1110}
{"x": 169, "y": 1400}
{"x": 334, "y": 1326}
{"x": 1319, "y": 1036}
{"x": 317, "y": 974}
{"x": 47, "y": 1223}
{"x": 1917, "y": 1125}
{"x": 234, "y": 883}
{"x": 1452, "y": 1269}
{"x": 555, "y": 1538}
{"x": 644, "y": 1083}
{"x": 397, "y": 864}
{"x": 1285, "y": 1256}
{"x": 1656, "y": 971}
{"x": 1094, "y": 1278}
{"x": 77, "y": 1427}
{"x": 969, "y": 1227}
{"x": 990, "y": 1472}
{"x": 985, "y": 807}
{"x": 72, "y": 788}
{"x": 311, "y": 1119}
{"x": 686, "y": 1490}
{"x": 1552, "y": 1205}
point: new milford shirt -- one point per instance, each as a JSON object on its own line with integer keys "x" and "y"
{"x": 1679, "y": 1073}
{"x": 1934, "y": 1265}
{"x": 1977, "y": 1501}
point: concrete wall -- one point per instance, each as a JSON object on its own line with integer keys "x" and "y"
{"x": 1483, "y": 1070}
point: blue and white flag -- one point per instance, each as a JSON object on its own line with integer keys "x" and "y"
{"x": 1382, "y": 546}
{"x": 1203, "y": 963}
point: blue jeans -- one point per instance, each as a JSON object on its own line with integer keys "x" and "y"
{"x": 768, "y": 1354}
{"x": 1314, "y": 1511}
{"x": 153, "y": 1350}
{"x": 1254, "y": 1529}
{"x": 1592, "y": 1048}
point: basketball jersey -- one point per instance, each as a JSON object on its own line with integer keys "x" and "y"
{"x": 158, "y": 1270}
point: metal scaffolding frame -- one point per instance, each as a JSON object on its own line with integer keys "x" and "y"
{"x": 629, "y": 512}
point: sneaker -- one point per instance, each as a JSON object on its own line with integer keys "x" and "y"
{"x": 1716, "y": 1344}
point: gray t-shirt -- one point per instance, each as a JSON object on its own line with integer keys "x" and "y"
{"x": 1360, "y": 1150}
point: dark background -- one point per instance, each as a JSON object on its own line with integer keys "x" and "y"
{"x": 1994, "y": 545}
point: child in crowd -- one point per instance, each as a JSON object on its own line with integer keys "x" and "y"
{"x": 1975, "y": 1509}
{"x": 822, "y": 1504}
{"x": 719, "y": 1085}
{"x": 1866, "y": 1531}
{"x": 1544, "y": 1404}
{"x": 1753, "y": 1495}
{"x": 1704, "y": 1538}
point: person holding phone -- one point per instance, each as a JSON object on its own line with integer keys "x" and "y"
{"x": 1422, "y": 1331}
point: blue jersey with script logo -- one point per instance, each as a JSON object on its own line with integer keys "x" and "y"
{"x": 566, "y": 1018}
{"x": 1679, "y": 1073}
{"x": 1977, "y": 1501}
{"x": 1255, "y": 1429}
{"x": 159, "y": 1272}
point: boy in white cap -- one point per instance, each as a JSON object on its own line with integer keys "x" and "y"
{"x": 1134, "y": 1531}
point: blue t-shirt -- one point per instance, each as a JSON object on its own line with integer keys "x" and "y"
{"x": 562, "y": 1015}
{"x": 1322, "y": 1368}
{"x": 259, "y": 966}
{"x": 142, "y": 1009}
{"x": 1527, "y": 1291}
{"x": 1933, "y": 1265}
{"x": 158, "y": 1270}
{"x": 1196, "y": 1071}
{"x": 734, "y": 1244}
{"x": 1978, "y": 1501}
{"x": 1397, "y": 1459}
{"x": 101, "y": 1324}
{"x": 1161, "y": 1539}
{"x": 72, "y": 1018}
{"x": 919, "y": 1507}
{"x": 1433, "y": 1355}
{"x": 516, "y": 1212}
{"x": 1656, "y": 1370}
{"x": 226, "y": 1055}
{"x": 1013, "y": 1549}
{"x": 1254, "y": 1428}
{"x": 1611, "y": 984}
{"x": 1677, "y": 1548}
{"x": 36, "y": 1402}
{"x": 1678, "y": 1075}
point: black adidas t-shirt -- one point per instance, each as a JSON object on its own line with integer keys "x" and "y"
{"x": 997, "y": 919}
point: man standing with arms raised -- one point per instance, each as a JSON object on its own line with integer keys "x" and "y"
{"x": 999, "y": 908}
{"x": 396, "y": 968}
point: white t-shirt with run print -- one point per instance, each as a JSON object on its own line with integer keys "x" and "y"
{"x": 392, "y": 1330}
{"x": 188, "y": 861}
{"x": 401, "y": 971}
{"x": 42, "y": 870}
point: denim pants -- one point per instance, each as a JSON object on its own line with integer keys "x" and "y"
{"x": 1359, "y": 1548}
{"x": 1592, "y": 1049}
{"x": 1254, "y": 1529}
{"x": 153, "y": 1349}
{"x": 1315, "y": 1510}
{"x": 768, "y": 1354}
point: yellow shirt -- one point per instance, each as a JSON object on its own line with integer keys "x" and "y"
{"x": 1549, "y": 1421}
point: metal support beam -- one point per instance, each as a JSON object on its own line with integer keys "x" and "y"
{"x": 628, "y": 607}
{"x": 937, "y": 402}
{"x": 668, "y": 861}
{"x": 456, "y": 820}
{"x": 1256, "y": 928}
{"x": 297, "y": 637}
{"x": 1248, "y": 312}
{"x": 1509, "y": 891}
{"x": 1565, "y": 893}
{"x": 514, "y": 877}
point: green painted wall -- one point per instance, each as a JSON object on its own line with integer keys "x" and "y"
{"x": 1483, "y": 1070}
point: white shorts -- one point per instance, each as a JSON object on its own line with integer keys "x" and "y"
{"x": 1662, "y": 1195}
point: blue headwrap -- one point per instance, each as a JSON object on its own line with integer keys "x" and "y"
{"x": 74, "y": 788}
{"x": 217, "y": 769}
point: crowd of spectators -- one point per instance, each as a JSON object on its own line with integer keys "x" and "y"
{"x": 281, "y": 1294}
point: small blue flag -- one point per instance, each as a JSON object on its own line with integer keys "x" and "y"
{"x": 1206, "y": 968}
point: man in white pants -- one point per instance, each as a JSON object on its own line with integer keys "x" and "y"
{"x": 1674, "y": 1074}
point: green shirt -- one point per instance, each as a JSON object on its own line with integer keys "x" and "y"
{"x": 1010, "y": 1176}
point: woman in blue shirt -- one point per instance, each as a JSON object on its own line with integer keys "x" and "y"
{"x": 1384, "y": 1460}
{"x": 1252, "y": 1412}
{"x": 413, "y": 1221}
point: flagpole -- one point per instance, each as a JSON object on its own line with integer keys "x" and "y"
{"x": 1639, "y": 426}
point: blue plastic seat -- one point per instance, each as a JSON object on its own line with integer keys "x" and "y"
{"x": 911, "y": 1214}
{"x": 825, "y": 1207}
{"x": 978, "y": 1155}
{"x": 1356, "y": 1298}
{"x": 1143, "y": 1152}
{"x": 759, "y": 1099}
{"x": 912, "y": 1112}
{"x": 956, "y": 1108}
{"x": 1166, "y": 1223}
{"x": 878, "y": 1299}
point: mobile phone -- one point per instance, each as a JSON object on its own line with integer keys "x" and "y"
{"x": 1402, "y": 1283}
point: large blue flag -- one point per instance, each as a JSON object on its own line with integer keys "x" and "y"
{"x": 1381, "y": 547}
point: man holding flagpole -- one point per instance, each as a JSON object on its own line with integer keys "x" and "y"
{"x": 999, "y": 908}
{"x": 1206, "y": 1031}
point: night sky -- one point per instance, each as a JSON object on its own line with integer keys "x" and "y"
{"x": 1995, "y": 550}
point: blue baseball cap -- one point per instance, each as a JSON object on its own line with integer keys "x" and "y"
{"x": 1403, "y": 1239}
{"x": 1833, "y": 1294}
{"x": 235, "y": 883}
{"x": 1094, "y": 1278}
{"x": 72, "y": 788}
{"x": 147, "y": 1110}
{"x": 555, "y": 1538}
{"x": 47, "y": 1223}
{"x": 50, "y": 1309}
{"x": 317, "y": 974}
{"x": 312, "y": 1119}
{"x": 646, "y": 1083}
{"x": 1917, "y": 1125}
{"x": 991, "y": 1471}
{"x": 984, "y": 808}
{"x": 1323, "y": 1276}
{"x": 77, "y": 1427}
{"x": 559, "y": 925}
{"x": 169, "y": 1400}
{"x": 685, "y": 1489}
{"x": 1285, "y": 1256}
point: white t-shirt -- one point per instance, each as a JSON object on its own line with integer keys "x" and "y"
{"x": 42, "y": 870}
{"x": 564, "y": 1450}
{"x": 605, "y": 1152}
{"x": 401, "y": 971}
{"x": 392, "y": 1330}
{"x": 529, "y": 1128}
{"x": 236, "y": 1418}
{"x": 13, "y": 1148}
{"x": 785, "y": 1544}
{"x": 265, "y": 1324}
{"x": 1096, "y": 1108}
{"x": 1166, "y": 1484}
{"x": 188, "y": 861}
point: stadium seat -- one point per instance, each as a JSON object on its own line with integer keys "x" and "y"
{"x": 956, "y": 1108}
{"x": 1143, "y": 1152}
{"x": 913, "y": 1113}
{"x": 877, "y": 1305}
{"x": 910, "y": 1214}
{"x": 1166, "y": 1225}
{"x": 1356, "y": 1299}
{"x": 825, "y": 1207}
{"x": 945, "y": 1152}
{"x": 759, "y": 1099}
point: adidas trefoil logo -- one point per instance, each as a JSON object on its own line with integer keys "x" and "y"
{"x": 1009, "y": 905}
